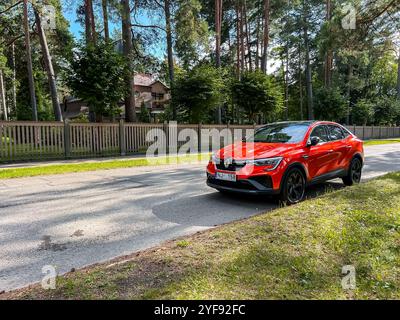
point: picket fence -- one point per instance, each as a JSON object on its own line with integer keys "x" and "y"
{"x": 25, "y": 141}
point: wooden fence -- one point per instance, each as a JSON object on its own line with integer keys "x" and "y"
{"x": 23, "y": 141}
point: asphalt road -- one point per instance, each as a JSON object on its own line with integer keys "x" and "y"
{"x": 74, "y": 220}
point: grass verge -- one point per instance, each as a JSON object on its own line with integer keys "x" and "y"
{"x": 294, "y": 252}
{"x": 9, "y": 173}
{"x": 377, "y": 142}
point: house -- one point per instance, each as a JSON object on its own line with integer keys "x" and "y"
{"x": 150, "y": 91}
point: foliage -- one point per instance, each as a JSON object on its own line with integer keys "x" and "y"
{"x": 329, "y": 104}
{"x": 191, "y": 32}
{"x": 362, "y": 112}
{"x": 144, "y": 115}
{"x": 255, "y": 94}
{"x": 97, "y": 77}
{"x": 197, "y": 94}
{"x": 363, "y": 73}
{"x": 387, "y": 111}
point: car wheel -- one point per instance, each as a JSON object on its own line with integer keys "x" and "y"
{"x": 354, "y": 174}
{"x": 294, "y": 187}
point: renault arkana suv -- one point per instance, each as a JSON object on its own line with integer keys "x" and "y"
{"x": 284, "y": 158}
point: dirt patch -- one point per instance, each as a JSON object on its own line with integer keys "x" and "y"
{"x": 47, "y": 244}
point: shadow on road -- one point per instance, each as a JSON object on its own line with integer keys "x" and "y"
{"x": 224, "y": 207}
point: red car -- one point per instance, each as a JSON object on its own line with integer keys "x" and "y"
{"x": 284, "y": 158}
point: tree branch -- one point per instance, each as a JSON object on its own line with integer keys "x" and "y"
{"x": 148, "y": 26}
{"x": 9, "y": 43}
{"x": 9, "y": 8}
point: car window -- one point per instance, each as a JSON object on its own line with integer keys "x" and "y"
{"x": 335, "y": 132}
{"x": 280, "y": 133}
{"x": 346, "y": 132}
{"x": 321, "y": 133}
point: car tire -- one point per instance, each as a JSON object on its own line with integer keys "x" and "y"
{"x": 293, "y": 187}
{"x": 354, "y": 173}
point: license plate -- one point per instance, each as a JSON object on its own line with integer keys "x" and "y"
{"x": 226, "y": 176}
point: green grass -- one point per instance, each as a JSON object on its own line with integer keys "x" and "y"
{"x": 377, "y": 142}
{"x": 9, "y": 173}
{"x": 293, "y": 252}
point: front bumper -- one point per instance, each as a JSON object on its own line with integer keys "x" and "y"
{"x": 255, "y": 185}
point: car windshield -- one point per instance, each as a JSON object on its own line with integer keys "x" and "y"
{"x": 280, "y": 133}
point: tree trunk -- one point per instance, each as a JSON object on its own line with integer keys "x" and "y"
{"x": 104, "y": 5}
{"x": 287, "y": 82}
{"x": 130, "y": 110}
{"x": 257, "y": 60}
{"x": 247, "y": 28}
{"x": 237, "y": 41}
{"x": 48, "y": 64}
{"x": 3, "y": 104}
{"x": 171, "y": 71}
{"x": 266, "y": 36}
{"x": 218, "y": 23}
{"x": 90, "y": 27}
{"x": 398, "y": 77}
{"x": 349, "y": 77}
{"x": 242, "y": 51}
{"x": 300, "y": 86}
{"x": 310, "y": 102}
{"x": 329, "y": 55}
{"x": 14, "y": 79}
{"x": 29, "y": 62}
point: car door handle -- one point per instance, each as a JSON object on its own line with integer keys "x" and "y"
{"x": 330, "y": 151}
{"x": 304, "y": 156}
{"x": 348, "y": 147}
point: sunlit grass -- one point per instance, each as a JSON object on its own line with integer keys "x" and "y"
{"x": 377, "y": 142}
{"x": 99, "y": 165}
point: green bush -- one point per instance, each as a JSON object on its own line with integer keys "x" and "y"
{"x": 97, "y": 77}
{"x": 329, "y": 104}
{"x": 257, "y": 94}
{"x": 198, "y": 93}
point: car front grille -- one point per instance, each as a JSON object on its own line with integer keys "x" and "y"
{"x": 234, "y": 166}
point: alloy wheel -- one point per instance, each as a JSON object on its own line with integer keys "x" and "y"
{"x": 295, "y": 186}
{"x": 356, "y": 168}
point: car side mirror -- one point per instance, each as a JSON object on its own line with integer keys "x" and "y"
{"x": 313, "y": 141}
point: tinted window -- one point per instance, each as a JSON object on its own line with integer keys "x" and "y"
{"x": 335, "y": 132}
{"x": 321, "y": 133}
{"x": 346, "y": 132}
{"x": 280, "y": 133}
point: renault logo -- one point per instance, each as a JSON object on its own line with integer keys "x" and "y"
{"x": 228, "y": 162}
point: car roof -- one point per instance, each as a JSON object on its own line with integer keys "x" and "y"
{"x": 307, "y": 122}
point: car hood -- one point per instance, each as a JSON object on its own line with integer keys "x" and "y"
{"x": 254, "y": 150}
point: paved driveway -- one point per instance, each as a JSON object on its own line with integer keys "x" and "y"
{"x": 73, "y": 220}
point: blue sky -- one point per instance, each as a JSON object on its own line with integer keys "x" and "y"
{"x": 77, "y": 30}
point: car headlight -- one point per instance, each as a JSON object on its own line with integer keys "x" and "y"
{"x": 269, "y": 163}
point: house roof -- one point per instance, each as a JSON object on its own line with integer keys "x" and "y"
{"x": 146, "y": 80}
{"x": 142, "y": 79}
